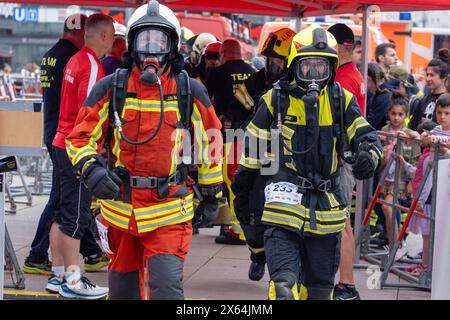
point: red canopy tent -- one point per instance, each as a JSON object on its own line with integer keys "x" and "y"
{"x": 281, "y": 8}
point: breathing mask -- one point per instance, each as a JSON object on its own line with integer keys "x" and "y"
{"x": 152, "y": 49}
{"x": 275, "y": 68}
{"x": 312, "y": 70}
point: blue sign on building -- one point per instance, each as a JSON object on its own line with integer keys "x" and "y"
{"x": 26, "y": 14}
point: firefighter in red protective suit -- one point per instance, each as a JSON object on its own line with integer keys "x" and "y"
{"x": 147, "y": 196}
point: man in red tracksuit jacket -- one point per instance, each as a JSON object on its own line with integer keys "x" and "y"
{"x": 71, "y": 221}
{"x": 350, "y": 79}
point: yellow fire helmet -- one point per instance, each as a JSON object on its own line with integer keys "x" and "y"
{"x": 186, "y": 34}
{"x": 316, "y": 42}
{"x": 304, "y": 37}
{"x": 278, "y": 44}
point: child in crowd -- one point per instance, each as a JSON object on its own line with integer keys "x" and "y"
{"x": 397, "y": 112}
{"x": 431, "y": 135}
{"x": 418, "y": 224}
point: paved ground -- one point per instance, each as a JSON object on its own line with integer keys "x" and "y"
{"x": 212, "y": 271}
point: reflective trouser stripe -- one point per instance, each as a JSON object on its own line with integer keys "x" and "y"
{"x": 227, "y": 178}
{"x": 273, "y": 292}
{"x": 209, "y": 176}
{"x": 292, "y": 216}
{"x": 163, "y": 209}
{"x": 177, "y": 218}
{"x": 255, "y": 250}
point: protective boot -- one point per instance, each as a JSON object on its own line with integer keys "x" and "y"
{"x": 283, "y": 287}
{"x": 256, "y": 271}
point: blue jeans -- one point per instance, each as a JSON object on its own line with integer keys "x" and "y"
{"x": 40, "y": 244}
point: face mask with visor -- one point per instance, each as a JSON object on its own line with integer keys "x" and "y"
{"x": 310, "y": 70}
{"x": 153, "y": 47}
{"x": 275, "y": 68}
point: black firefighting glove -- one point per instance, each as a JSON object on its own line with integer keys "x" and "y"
{"x": 208, "y": 209}
{"x": 367, "y": 161}
{"x": 103, "y": 183}
{"x": 242, "y": 185}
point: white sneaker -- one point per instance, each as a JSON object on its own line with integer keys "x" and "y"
{"x": 401, "y": 252}
{"x": 82, "y": 289}
{"x": 54, "y": 284}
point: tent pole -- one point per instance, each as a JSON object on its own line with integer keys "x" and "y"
{"x": 360, "y": 185}
{"x": 2, "y": 232}
{"x": 365, "y": 49}
{"x": 298, "y": 24}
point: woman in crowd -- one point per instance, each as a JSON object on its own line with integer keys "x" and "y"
{"x": 437, "y": 73}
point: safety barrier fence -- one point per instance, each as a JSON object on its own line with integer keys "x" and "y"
{"x": 386, "y": 260}
{"x": 16, "y": 87}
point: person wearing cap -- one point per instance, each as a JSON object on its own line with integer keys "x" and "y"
{"x": 401, "y": 80}
{"x": 350, "y": 79}
{"x": 222, "y": 83}
{"x": 347, "y": 74}
{"x": 113, "y": 59}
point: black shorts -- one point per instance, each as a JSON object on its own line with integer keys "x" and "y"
{"x": 73, "y": 216}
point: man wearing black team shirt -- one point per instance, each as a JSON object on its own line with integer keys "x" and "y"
{"x": 52, "y": 70}
{"x": 225, "y": 79}
{"x": 221, "y": 83}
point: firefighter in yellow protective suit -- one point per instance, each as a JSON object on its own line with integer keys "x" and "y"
{"x": 302, "y": 127}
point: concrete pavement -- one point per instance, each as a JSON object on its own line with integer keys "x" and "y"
{"x": 212, "y": 271}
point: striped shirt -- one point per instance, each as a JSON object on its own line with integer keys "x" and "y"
{"x": 442, "y": 136}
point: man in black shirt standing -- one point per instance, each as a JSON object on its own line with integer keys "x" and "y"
{"x": 52, "y": 70}
{"x": 222, "y": 83}
{"x": 225, "y": 79}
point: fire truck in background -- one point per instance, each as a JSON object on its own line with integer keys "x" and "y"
{"x": 222, "y": 27}
{"x": 416, "y": 46}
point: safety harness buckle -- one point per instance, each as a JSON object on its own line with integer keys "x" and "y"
{"x": 304, "y": 183}
{"x": 175, "y": 178}
{"x": 143, "y": 182}
{"x": 154, "y": 182}
{"x": 323, "y": 185}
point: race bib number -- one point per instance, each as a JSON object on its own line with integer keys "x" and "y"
{"x": 284, "y": 192}
{"x": 103, "y": 233}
